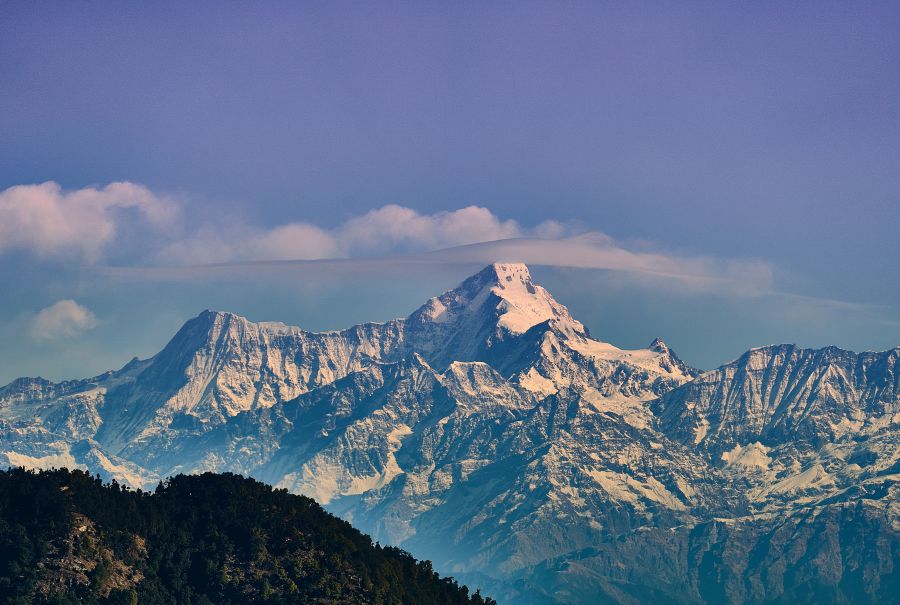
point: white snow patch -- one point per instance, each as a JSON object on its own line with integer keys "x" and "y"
{"x": 754, "y": 455}
{"x": 325, "y": 479}
{"x": 846, "y": 426}
{"x": 120, "y": 472}
{"x": 536, "y": 383}
{"x": 645, "y": 359}
{"x": 685, "y": 488}
{"x": 525, "y": 304}
{"x": 701, "y": 430}
{"x": 813, "y": 478}
{"x": 60, "y": 460}
{"x": 625, "y": 488}
{"x": 633, "y": 410}
{"x": 437, "y": 311}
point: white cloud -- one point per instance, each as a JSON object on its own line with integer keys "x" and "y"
{"x": 62, "y": 319}
{"x": 392, "y": 228}
{"x": 294, "y": 241}
{"x": 388, "y": 230}
{"x": 81, "y": 224}
{"x": 49, "y": 222}
{"x": 209, "y": 245}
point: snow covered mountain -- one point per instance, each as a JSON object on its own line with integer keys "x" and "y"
{"x": 489, "y": 432}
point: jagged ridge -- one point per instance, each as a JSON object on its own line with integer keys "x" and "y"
{"x": 488, "y": 430}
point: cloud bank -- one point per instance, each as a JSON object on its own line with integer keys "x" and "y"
{"x": 63, "y": 319}
{"x": 389, "y": 230}
{"x": 83, "y": 225}
{"x": 48, "y": 222}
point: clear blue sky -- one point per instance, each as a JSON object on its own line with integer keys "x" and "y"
{"x": 720, "y": 135}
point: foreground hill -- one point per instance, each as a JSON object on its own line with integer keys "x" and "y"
{"x": 491, "y": 433}
{"x": 67, "y": 538}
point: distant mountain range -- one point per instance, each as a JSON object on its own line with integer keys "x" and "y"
{"x": 491, "y": 433}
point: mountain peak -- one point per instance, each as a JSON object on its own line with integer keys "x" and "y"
{"x": 659, "y": 346}
{"x": 522, "y": 303}
{"x": 502, "y": 275}
{"x": 212, "y": 316}
{"x": 510, "y": 272}
{"x": 510, "y": 280}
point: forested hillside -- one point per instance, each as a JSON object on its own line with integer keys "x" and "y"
{"x": 65, "y": 537}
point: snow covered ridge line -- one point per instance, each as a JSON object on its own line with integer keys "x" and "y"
{"x": 499, "y": 303}
{"x": 487, "y": 431}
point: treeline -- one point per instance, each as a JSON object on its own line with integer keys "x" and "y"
{"x": 65, "y": 537}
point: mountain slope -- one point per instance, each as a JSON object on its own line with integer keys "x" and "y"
{"x": 490, "y": 432}
{"x": 202, "y": 539}
{"x": 784, "y": 392}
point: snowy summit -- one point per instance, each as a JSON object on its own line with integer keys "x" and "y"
{"x": 490, "y": 421}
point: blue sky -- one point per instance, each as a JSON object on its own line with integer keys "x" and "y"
{"x": 730, "y": 171}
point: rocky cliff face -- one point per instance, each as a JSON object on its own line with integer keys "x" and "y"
{"x": 490, "y": 432}
{"x": 784, "y": 393}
